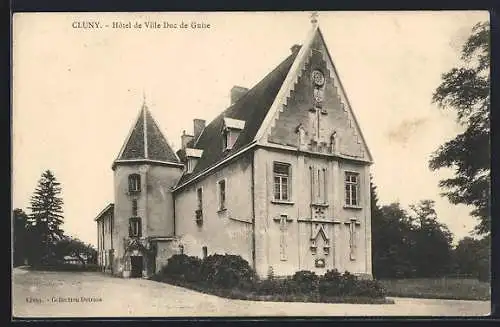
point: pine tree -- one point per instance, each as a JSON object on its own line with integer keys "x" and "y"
{"x": 46, "y": 218}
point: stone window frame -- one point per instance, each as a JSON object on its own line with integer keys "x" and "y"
{"x": 356, "y": 186}
{"x": 199, "y": 205}
{"x": 134, "y": 183}
{"x": 279, "y": 175}
{"x": 137, "y": 223}
{"x": 222, "y": 196}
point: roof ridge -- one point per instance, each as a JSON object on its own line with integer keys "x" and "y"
{"x": 129, "y": 134}
{"x": 162, "y": 135}
{"x": 288, "y": 83}
{"x": 146, "y": 141}
{"x": 252, "y": 107}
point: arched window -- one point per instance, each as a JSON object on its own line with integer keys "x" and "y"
{"x": 134, "y": 183}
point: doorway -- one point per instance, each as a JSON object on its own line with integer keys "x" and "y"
{"x": 136, "y": 263}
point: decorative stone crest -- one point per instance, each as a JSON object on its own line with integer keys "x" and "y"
{"x": 319, "y": 212}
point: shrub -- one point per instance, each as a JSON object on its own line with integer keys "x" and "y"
{"x": 348, "y": 282}
{"x": 182, "y": 267}
{"x": 307, "y": 281}
{"x": 227, "y": 271}
{"x": 334, "y": 284}
{"x": 368, "y": 288}
{"x": 281, "y": 286}
{"x": 331, "y": 284}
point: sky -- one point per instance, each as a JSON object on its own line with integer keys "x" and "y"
{"x": 77, "y": 92}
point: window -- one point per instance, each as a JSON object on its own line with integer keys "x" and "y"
{"x": 231, "y": 130}
{"x": 352, "y": 189}
{"x": 319, "y": 185}
{"x": 229, "y": 138}
{"x": 199, "y": 197}
{"x": 281, "y": 173}
{"x": 225, "y": 134}
{"x": 135, "y": 228}
{"x": 134, "y": 183}
{"x": 205, "y": 251}
{"x": 134, "y": 208}
{"x": 199, "y": 210}
{"x": 353, "y": 238}
{"x": 222, "y": 194}
{"x": 191, "y": 163}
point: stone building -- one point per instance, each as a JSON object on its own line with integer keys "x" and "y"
{"x": 280, "y": 177}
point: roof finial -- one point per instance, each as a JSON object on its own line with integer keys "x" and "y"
{"x": 314, "y": 18}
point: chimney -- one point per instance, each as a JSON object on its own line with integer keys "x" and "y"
{"x": 237, "y": 92}
{"x": 198, "y": 127}
{"x": 185, "y": 139}
{"x": 295, "y": 48}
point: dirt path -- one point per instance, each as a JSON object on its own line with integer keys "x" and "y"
{"x": 68, "y": 294}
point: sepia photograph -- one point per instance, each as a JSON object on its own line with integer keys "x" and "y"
{"x": 251, "y": 164}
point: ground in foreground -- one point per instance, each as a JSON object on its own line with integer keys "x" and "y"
{"x": 91, "y": 294}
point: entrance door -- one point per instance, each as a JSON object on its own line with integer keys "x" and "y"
{"x": 136, "y": 263}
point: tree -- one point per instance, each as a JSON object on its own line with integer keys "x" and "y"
{"x": 472, "y": 258}
{"x": 71, "y": 246}
{"x": 466, "y": 90}
{"x": 432, "y": 252}
{"x": 46, "y": 218}
{"x": 392, "y": 243}
{"x": 19, "y": 245}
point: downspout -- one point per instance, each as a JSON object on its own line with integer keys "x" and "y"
{"x": 253, "y": 211}
{"x": 112, "y": 249}
{"x": 173, "y": 210}
{"x": 98, "y": 245}
{"x": 103, "y": 244}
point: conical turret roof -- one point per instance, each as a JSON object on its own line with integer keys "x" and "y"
{"x": 146, "y": 142}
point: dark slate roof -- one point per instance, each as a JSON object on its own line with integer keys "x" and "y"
{"x": 251, "y": 107}
{"x": 158, "y": 147}
{"x": 156, "y": 143}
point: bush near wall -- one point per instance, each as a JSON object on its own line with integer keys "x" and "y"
{"x": 231, "y": 276}
{"x": 181, "y": 267}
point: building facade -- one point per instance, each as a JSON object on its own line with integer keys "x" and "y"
{"x": 281, "y": 177}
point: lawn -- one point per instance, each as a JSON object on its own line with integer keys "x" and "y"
{"x": 439, "y": 288}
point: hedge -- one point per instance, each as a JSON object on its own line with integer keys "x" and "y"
{"x": 231, "y": 274}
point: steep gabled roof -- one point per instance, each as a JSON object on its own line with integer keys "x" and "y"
{"x": 146, "y": 142}
{"x": 251, "y": 108}
{"x": 295, "y": 72}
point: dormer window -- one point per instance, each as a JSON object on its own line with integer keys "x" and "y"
{"x": 134, "y": 183}
{"x": 192, "y": 156}
{"x": 191, "y": 163}
{"x": 231, "y": 130}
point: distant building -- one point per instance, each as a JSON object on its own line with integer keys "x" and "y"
{"x": 281, "y": 177}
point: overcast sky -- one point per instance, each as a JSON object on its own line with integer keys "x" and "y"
{"x": 78, "y": 91}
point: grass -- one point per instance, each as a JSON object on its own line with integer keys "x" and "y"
{"x": 439, "y": 288}
{"x": 238, "y": 294}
